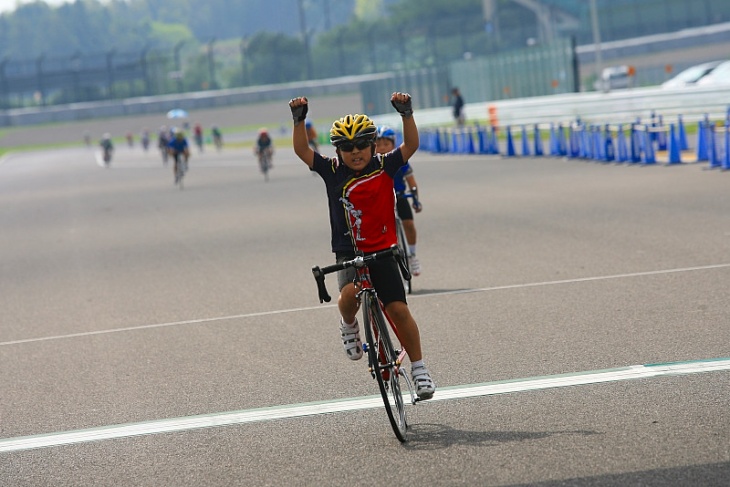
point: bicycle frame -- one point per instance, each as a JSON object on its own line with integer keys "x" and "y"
{"x": 384, "y": 361}
{"x": 403, "y": 245}
{"x": 366, "y": 286}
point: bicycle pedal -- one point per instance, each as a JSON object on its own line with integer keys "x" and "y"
{"x": 365, "y": 347}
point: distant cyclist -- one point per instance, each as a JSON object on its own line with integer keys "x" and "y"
{"x": 264, "y": 147}
{"x": 145, "y": 138}
{"x": 403, "y": 182}
{"x": 311, "y": 135}
{"x": 163, "y": 139}
{"x": 179, "y": 149}
{"x": 198, "y": 135}
{"x": 217, "y": 137}
{"x": 107, "y": 147}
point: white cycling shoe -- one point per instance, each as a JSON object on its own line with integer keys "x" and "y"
{"x": 351, "y": 340}
{"x": 425, "y": 387}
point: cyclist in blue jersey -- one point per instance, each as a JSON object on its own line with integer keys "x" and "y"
{"x": 359, "y": 186}
{"x": 107, "y": 148}
{"x": 403, "y": 183}
{"x": 311, "y": 135}
{"x": 179, "y": 149}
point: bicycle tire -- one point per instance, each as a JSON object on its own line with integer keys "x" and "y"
{"x": 179, "y": 170}
{"x": 265, "y": 165}
{"x": 403, "y": 246}
{"x": 382, "y": 360}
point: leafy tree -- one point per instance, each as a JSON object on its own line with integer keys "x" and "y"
{"x": 276, "y": 58}
{"x": 412, "y": 14}
{"x": 368, "y": 9}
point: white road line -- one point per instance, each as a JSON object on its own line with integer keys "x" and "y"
{"x": 413, "y": 296}
{"x": 354, "y": 404}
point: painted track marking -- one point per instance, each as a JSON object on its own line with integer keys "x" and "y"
{"x": 358, "y": 403}
{"x": 310, "y": 308}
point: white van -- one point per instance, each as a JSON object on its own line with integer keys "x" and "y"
{"x": 615, "y": 78}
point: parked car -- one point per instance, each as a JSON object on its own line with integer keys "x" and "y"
{"x": 691, "y": 75}
{"x": 719, "y": 76}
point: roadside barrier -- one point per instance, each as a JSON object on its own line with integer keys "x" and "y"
{"x": 641, "y": 143}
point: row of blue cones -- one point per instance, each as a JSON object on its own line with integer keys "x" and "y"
{"x": 631, "y": 143}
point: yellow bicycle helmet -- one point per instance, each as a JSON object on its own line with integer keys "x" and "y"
{"x": 351, "y": 128}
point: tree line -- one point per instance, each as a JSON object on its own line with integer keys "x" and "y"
{"x": 211, "y": 45}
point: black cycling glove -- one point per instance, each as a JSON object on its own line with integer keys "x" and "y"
{"x": 299, "y": 113}
{"x": 405, "y": 109}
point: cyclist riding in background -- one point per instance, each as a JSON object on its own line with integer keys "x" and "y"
{"x": 145, "y": 138}
{"x": 403, "y": 182}
{"x": 107, "y": 147}
{"x": 179, "y": 149}
{"x": 198, "y": 135}
{"x": 163, "y": 139}
{"x": 311, "y": 135}
{"x": 217, "y": 137}
{"x": 264, "y": 146}
{"x": 359, "y": 186}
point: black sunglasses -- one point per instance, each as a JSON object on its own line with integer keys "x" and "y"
{"x": 361, "y": 144}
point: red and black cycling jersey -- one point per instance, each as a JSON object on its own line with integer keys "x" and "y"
{"x": 362, "y": 204}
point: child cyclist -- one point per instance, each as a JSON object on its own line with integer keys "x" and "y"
{"x": 362, "y": 219}
{"x": 403, "y": 181}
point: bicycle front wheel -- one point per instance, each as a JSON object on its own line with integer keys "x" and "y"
{"x": 383, "y": 361}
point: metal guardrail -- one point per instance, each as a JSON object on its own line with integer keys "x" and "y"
{"x": 188, "y": 101}
{"x": 620, "y": 106}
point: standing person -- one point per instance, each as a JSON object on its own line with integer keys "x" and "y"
{"x": 458, "y": 107}
{"x": 361, "y": 200}
{"x": 403, "y": 182}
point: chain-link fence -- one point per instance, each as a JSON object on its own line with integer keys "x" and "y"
{"x": 535, "y": 71}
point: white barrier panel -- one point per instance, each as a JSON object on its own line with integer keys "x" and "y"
{"x": 620, "y": 106}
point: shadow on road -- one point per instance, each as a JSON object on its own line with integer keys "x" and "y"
{"x": 708, "y": 475}
{"x": 425, "y": 436}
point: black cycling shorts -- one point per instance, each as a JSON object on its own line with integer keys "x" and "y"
{"x": 385, "y": 275}
{"x": 404, "y": 209}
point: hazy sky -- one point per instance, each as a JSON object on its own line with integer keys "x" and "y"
{"x": 6, "y": 5}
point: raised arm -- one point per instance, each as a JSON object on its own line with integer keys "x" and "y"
{"x": 299, "y": 107}
{"x": 402, "y": 103}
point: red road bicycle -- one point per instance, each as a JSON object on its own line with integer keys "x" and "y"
{"x": 385, "y": 361}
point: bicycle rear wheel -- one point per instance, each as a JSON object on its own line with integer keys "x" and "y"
{"x": 265, "y": 165}
{"x": 383, "y": 359}
{"x": 179, "y": 170}
{"x": 403, "y": 246}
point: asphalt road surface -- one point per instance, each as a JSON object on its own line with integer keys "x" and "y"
{"x": 156, "y": 337}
